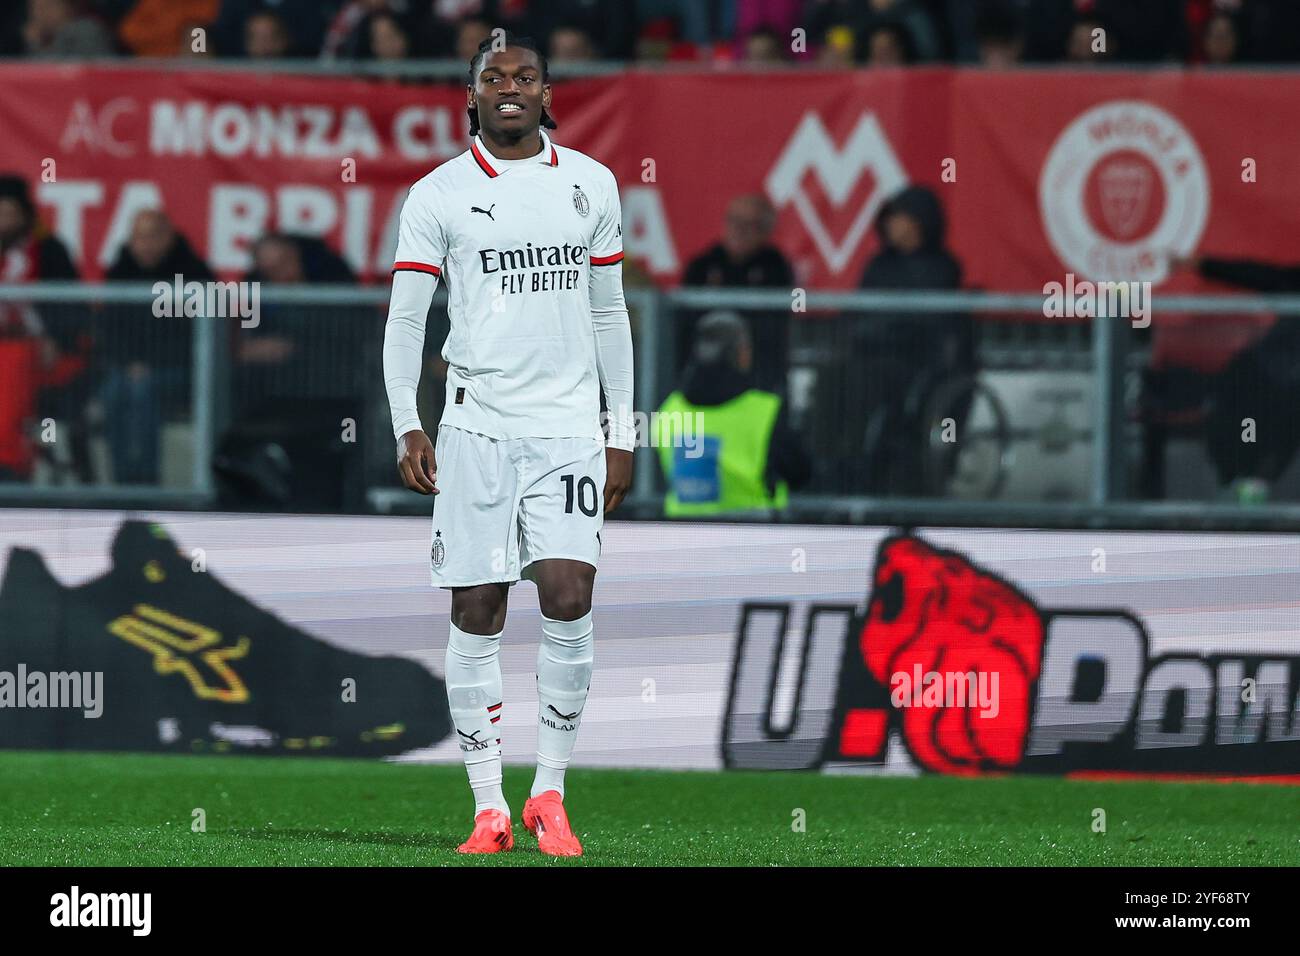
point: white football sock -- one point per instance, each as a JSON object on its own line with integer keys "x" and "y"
{"x": 563, "y": 676}
{"x": 474, "y": 696}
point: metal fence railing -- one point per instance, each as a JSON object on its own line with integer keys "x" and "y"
{"x": 960, "y": 407}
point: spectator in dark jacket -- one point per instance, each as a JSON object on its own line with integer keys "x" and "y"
{"x": 58, "y": 29}
{"x": 1271, "y": 30}
{"x": 746, "y": 259}
{"x": 267, "y": 36}
{"x": 907, "y": 22}
{"x": 570, "y": 44}
{"x": 1090, "y": 41}
{"x": 302, "y": 23}
{"x": 607, "y": 24}
{"x": 902, "y": 359}
{"x": 147, "y": 359}
{"x": 1260, "y": 383}
{"x": 370, "y": 30}
{"x": 1221, "y": 40}
{"x": 12, "y": 17}
{"x": 886, "y": 45}
{"x": 299, "y": 381}
{"x": 296, "y": 351}
{"x": 999, "y": 37}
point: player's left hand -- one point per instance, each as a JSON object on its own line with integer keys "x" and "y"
{"x": 618, "y": 476}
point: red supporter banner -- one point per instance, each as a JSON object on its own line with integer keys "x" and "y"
{"x": 1042, "y": 173}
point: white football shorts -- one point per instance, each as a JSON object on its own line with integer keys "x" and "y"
{"x": 504, "y": 503}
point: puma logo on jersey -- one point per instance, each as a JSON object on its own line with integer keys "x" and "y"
{"x": 487, "y": 212}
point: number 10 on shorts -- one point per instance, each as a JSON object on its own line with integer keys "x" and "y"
{"x": 586, "y": 489}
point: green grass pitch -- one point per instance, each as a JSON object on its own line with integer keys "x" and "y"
{"x": 123, "y": 810}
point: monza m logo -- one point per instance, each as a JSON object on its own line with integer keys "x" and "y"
{"x": 1079, "y": 689}
{"x": 838, "y": 170}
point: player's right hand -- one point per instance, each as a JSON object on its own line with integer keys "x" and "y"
{"x": 416, "y": 463}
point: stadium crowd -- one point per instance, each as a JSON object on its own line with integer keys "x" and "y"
{"x": 112, "y": 370}
{"x": 995, "y": 33}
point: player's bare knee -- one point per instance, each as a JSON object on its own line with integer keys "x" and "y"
{"x": 478, "y": 610}
{"x": 568, "y": 602}
{"x": 477, "y": 621}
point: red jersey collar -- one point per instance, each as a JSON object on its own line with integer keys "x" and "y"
{"x": 487, "y": 162}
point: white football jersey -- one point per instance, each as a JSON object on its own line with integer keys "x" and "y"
{"x": 515, "y": 241}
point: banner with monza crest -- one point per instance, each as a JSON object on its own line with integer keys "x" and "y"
{"x": 1040, "y": 173}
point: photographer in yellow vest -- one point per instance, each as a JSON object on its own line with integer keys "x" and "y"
{"x": 725, "y": 447}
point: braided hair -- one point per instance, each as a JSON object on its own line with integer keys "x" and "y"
{"x": 509, "y": 39}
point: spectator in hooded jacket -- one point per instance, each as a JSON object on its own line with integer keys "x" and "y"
{"x": 902, "y": 358}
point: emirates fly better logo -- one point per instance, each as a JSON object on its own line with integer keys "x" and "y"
{"x": 838, "y": 170}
